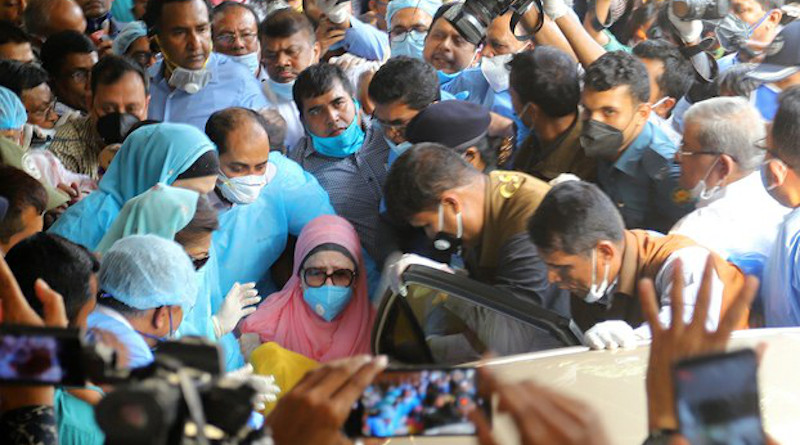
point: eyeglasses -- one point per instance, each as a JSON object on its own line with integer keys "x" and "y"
{"x": 317, "y": 277}
{"x": 248, "y": 38}
{"x": 400, "y": 33}
{"x": 80, "y": 75}
{"x": 142, "y": 57}
{"x": 42, "y": 113}
{"x": 398, "y": 127}
{"x": 198, "y": 263}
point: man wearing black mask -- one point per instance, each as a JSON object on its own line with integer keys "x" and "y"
{"x": 636, "y": 167}
{"x": 118, "y": 100}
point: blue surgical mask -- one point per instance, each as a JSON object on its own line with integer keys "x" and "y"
{"x": 282, "y": 90}
{"x": 395, "y": 150}
{"x": 251, "y": 61}
{"x": 445, "y": 78}
{"x": 327, "y": 301}
{"x": 343, "y": 145}
{"x": 409, "y": 44}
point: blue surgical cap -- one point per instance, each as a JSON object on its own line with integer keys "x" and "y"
{"x": 128, "y": 35}
{"x": 12, "y": 112}
{"x": 147, "y": 272}
{"x": 428, "y": 6}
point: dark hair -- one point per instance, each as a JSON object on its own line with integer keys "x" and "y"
{"x": 443, "y": 10}
{"x": 286, "y": 23}
{"x": 736, "y": 80}
{"x": 58, "y": 46}
{"x": 786, "y": 126}
{"x": 678, "y": 76}
{"x": 405, "y": 79}
{"x": 65, "y": 266}
{"x": 152, "y": 13}
{"x": 18, "y": 76}
{"x": 276, "y": 129}
{"x": 615, "y": 69}
{"x": 203, "y": 222}
{"x": 419, "y": 176}
{"x": 548, "y": 78}
{"x": 488, "y": 152}
{"x": 10, "y": 33}
{"x": 317, "y": 80}
{"x": 37, "y": 16}
{"x": 22, "y": 191}
{"x": 573, "y": 217}
{"x": 110, "y": 69}
{"x": 127, "y": 311}
{"x": 230, "y": 119}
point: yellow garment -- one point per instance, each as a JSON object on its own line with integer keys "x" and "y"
{"x": 286, "y": 366}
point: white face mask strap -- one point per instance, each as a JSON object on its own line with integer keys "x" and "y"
{"x": 707, "y": 193}
{"x": 593, "y": 287}
{"x": 459, "y": 225}
{"x": 441, "y": 217}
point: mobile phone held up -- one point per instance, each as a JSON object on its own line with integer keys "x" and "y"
{"x": 716, "y": 399}
{"x": 418, "y": 402}
{"x": 40, "y": 356}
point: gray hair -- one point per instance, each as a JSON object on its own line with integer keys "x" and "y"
{"x": 730, "y": 125}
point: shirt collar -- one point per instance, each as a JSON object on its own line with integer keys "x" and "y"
{"x": 626, "y": 277}
{"x": 628, "y": 161}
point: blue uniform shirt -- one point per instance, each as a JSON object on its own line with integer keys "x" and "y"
{"x": 780, "y": 290}
{"x": 231, "y": 85}
{"x": 643, "y": 182}
{"x": 107, "y": 319}
{"x": 765, "y": 98}
{"x": 364, "y": 41}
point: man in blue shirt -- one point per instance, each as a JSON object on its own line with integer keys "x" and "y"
{"x": 191, "y": 82}
{"x": 780, "y": 173}
{"x": 347, "y": 159}
{"x": 778, "y": 71}
{"x": 636, "y": 167}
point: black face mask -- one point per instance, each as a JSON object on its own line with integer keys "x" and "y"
{"x": 115, "y": 126}
{"x": 445, "y": 242}
{"x": 600, "y": 140}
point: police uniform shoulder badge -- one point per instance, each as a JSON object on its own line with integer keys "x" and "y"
{"x": 509, "y": 184}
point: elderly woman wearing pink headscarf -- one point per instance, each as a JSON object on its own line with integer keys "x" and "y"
{"x": 323, "y": 312}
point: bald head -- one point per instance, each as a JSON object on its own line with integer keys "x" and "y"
{"x": 241, "y": 138}
{"x": 44, "y": 18}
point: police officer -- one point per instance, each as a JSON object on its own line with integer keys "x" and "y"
{"x": 581, "y": 237}
{"x": 480, "y": 218}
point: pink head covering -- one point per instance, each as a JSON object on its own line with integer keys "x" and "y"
{"x": 286, "y": 319}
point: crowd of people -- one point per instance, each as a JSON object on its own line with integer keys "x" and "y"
{"x": 259, "y": 172}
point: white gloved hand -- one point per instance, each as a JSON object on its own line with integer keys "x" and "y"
{"x": 397, "y": 268}
{"x": 336, "y": 13}
{"x": 555, "y": 9}
{"x": 266, "y": 389}
{"x": 235, "y": 307}
{"x": 610, "y": 334}
{"x": 690, "y": 31}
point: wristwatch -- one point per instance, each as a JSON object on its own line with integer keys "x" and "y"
{"x": 660, "y": 437}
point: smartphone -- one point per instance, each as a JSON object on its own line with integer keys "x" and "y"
{"x": 32, "y": 355}
{"x": 418, "y": 402}
{"x": 716, "y": 399}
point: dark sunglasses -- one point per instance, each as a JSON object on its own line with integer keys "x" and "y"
{"x": 317, "y": 277}
{"x": 198, "y": 263}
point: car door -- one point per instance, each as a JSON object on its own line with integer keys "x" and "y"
{"x": 447, "y": 319}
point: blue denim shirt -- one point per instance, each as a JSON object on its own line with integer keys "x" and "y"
{"x": 643, "y": 182}
{"x": 231, "y": 85}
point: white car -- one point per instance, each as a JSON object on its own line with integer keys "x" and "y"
{"x": 447, "y": 320}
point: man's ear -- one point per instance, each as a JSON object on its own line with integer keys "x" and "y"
{"x": 159, "y": 317}
{"x": 664, "y": 108}
{"x": 605, "y": 250}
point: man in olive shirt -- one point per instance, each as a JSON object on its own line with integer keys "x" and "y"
{"x": 481, "y": 219}
{"x": 545, "y": 93}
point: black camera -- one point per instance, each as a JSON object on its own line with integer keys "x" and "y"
{"x": 179, "y": 398}
{"x": 472, "y": 17}
{"x": 700, "y": 9}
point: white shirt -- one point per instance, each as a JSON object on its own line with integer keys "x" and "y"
{"x": 289, "y": 112}
{"x": 742, "y": 222}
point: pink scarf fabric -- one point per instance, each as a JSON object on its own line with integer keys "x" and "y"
{"x": 286, "y": 319}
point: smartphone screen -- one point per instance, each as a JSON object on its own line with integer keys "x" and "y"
{"x": 40, "y": 356}
{"x": 717, "y": 399}
{"x": 424, "y": 402}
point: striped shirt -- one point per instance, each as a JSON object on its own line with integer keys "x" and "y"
{"x": 354, "y": 184}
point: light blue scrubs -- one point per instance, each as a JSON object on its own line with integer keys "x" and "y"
{"x": 152, "y": 154}
{"x": 478, "y": 91}
{"x": 251, "y": 237}
{"x": 76, "y": 424}
{"x": 364, "y": 41}
{"x": 765, "y": 98}
{"x": 780, "y": 290}
{"x": 231, "y": 85}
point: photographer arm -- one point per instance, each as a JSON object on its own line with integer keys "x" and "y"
{"x": 548, "y": 34}
{"x": 583, "y": 45}
{"x": 601, "y": 11}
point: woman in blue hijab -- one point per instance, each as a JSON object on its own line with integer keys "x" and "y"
{"x": 174, "y": 154}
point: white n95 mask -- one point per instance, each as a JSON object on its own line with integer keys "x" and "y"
{"x": 496, "y": 72}
{"x": 244, "y": 189}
